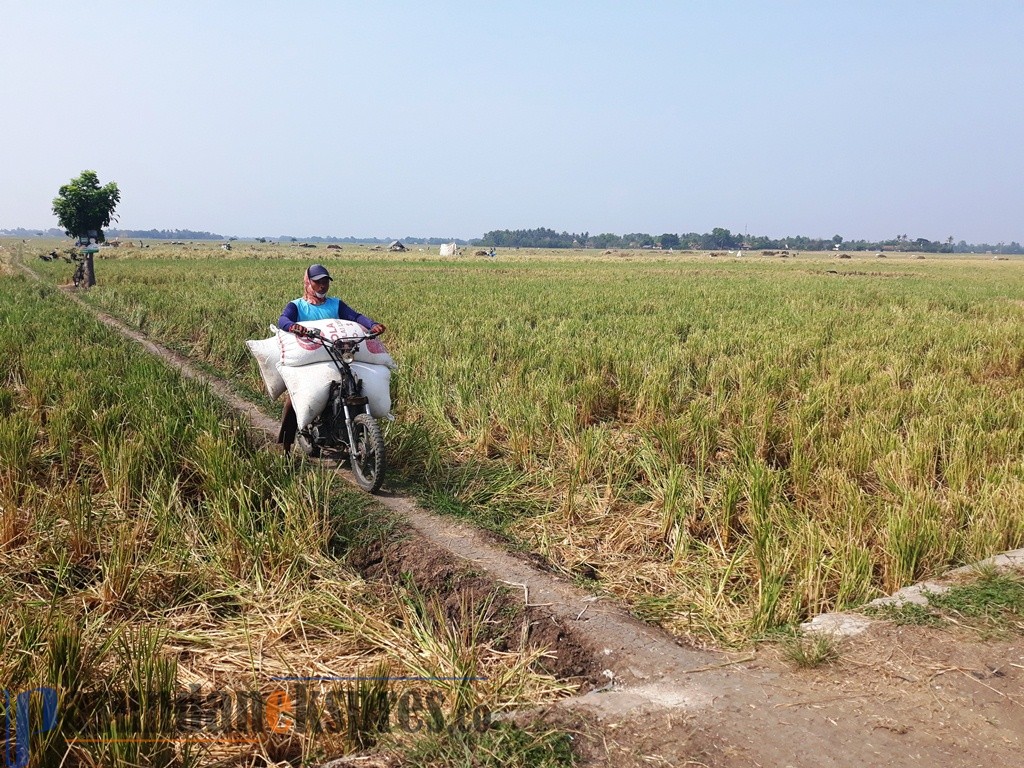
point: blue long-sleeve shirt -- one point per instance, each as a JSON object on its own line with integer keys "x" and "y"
{"x": 333, "y": 308}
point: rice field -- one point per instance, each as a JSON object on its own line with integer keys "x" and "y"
{"x": 152, "y": 549}
{"x": 728, "y": 445}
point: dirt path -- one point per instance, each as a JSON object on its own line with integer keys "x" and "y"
{"x": 898, "y": 697}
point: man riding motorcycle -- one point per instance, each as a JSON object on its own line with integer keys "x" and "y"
{"x": 314, "y": 304}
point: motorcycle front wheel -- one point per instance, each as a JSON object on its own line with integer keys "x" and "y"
{"x": 368, "y": 453}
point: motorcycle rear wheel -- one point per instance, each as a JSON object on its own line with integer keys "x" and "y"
{"x": 368, "y": 453}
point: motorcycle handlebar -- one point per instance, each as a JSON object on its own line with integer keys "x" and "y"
{"x": 314, "y": 333}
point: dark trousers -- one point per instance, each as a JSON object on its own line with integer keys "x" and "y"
{"x": 289, "y": 425}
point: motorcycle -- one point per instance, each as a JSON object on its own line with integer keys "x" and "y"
{"x": 345, "y": 424}
{"x": 79, "y": 277}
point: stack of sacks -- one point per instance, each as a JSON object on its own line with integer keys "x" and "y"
{"x": 303, "y": 367}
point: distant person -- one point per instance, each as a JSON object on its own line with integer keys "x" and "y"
{"x": 314, "y": 304}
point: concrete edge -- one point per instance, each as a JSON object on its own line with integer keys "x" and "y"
{"x": 843, "y": 624}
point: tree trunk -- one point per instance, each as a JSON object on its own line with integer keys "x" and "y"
{"x": 90, "y": 272}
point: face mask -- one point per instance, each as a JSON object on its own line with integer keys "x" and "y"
{"x": 320, "y": 295}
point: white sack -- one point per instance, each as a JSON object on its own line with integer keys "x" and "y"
{"x": 373, "y": 352}
{"x": 266, "y": 352}
{"x": 376, "y": 387}
{"x": 310, "y": 386}
{"x": 296, "y": 350}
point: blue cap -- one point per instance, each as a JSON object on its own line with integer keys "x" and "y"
{"x": 318, "y": 272}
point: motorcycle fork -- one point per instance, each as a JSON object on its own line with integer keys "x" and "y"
{"x": 351, "y": 434}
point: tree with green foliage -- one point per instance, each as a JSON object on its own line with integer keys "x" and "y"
{"x": 720, "y": 238}
{"x": 83, "y": 208}
{"x": 669, "y": 240}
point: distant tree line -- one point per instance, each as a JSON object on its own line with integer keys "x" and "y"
{"x": 151, "y": 234}
{"x": 355, "y": 240}
{"x": 22, "y": 232}
{"x": 718, "y": 239}
{"x": 433, "y": 240}
{"x": 722, "y": 239}
{"x": 164, "y": 234}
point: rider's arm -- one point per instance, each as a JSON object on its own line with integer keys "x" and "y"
{"x": 288, "y": 317}
{"x": 345, "y": 312}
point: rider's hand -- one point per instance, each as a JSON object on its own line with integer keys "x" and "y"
{"x": 298, "y": 330}
{"x": 377, "y": 329}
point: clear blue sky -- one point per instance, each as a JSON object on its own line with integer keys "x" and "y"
{"x": 313, "y": 117}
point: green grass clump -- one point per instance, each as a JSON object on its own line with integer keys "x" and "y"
{"x": 809, "y": 651}
{"x": 502, "y": 746}
{"x": 994, "y": 596}
{"x": 992, "y": 604}
{"x": 907, "y": 614}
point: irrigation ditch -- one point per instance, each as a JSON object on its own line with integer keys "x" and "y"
{"x": 647, "y": 699}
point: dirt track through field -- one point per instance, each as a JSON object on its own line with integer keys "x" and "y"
{"x": 898, "y": 698}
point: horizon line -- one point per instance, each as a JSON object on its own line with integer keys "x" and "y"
{"x": 46, "y": 232}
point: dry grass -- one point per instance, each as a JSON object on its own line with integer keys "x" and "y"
{"x": 727, "y": 446}
{"x": 151, "y": 546}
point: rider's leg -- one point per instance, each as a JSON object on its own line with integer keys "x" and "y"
{"x": 289, "y": 425}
